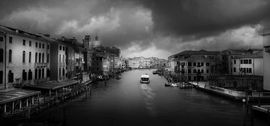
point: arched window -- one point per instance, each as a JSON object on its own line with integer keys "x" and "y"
{"x": 63, "y": 72}
{"x": 10, "y": 77}
{"x": 24, "y": 75}
{"x": 39, "y": 58}
{"x": 23, "y": 57}
{"x": 43, "y": 72}
{"x": 29, "y": 75}
{"x": 42, "y": 57}
{"x": 39, "y": 73}
{"x": 48, "y": 72}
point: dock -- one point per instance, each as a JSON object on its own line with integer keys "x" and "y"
{"x": 14, "y": 101}
{"x": 18, "y": 104}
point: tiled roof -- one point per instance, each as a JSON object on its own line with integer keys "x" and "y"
{"x": 19, "y": 32}
{"x": 200, "y": 52}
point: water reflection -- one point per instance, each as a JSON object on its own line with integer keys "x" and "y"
{"x": 149, "y": 96}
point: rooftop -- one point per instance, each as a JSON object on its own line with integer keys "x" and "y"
{"x": 9, "y": 95}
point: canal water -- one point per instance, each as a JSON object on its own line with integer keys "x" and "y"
{"x": 126, "y": 102}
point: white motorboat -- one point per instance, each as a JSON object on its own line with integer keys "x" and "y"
{"x": 145, "y": 78}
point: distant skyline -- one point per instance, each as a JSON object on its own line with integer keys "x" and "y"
{"x": 149, "y": 28}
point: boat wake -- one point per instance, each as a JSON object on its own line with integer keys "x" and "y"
{"x": 149, "y": 96}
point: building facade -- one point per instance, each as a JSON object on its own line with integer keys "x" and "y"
{"x": 58, "y": 61}
{"x": 245, "y": 62}
{"x": 266, "y": 60}
{"x": 25, "y": 57}
{"x": 195, "y": 65}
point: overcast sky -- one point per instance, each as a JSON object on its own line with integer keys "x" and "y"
{"x": 145, "y": 27}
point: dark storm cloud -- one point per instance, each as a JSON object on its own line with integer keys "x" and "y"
{"x": 165, "y": 24}
{"x": 204, "y": 17}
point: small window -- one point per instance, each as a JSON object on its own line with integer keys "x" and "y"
{"x": 234, "y": 61}
{"x": 10, "y": 76}
{"x": 10, "y": 39}
{"x": 249, "y": 61}
{"x": 10, "y": 56}
{"x": 48, "y": 46}
{"x": 1, "y": 55}
{"x": 43, "y": 46}
{"x": 1, "y": 77}
{"x": 23, "y": 42}
{"x": 234, "y": 69}
{"x": 60, "y": 48}
{"x": 36, "y": 44}
{"x": 39, "y": 45}
{"x": 23, "y": 57}
{"x": 1, "y": 39}
{"x": 30, "y": 43}
{"x": 207, "y": 64}
{"x": 30, "y": 55}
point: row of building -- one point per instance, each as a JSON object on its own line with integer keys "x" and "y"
{"x": 142, "y": 62}
{"x": 228, "y": 68}
{"x": 28, "y": 58}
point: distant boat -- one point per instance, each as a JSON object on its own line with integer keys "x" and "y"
{"x": 169, "y": 84}
{"x": 145, "y": 79}
{"x": 118, "y": 77}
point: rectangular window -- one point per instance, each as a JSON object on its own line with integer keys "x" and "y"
{"x": 39, "y": 57}
{"x": 30, "y": 57}
{"x": 10, "y": 56}
{"x": 1, "y": 39}
{"x": 42, "y": 57}
{"x": 189, "y": 64}
{"x": 1, "y": 55}
{"x": 23, "y": 57}
{"x": 36, "y": 57}
{"x": 249, "y": 61}
{"x": 10, "y": 39}
{"x": 36, "y": 44}
{"x": 48, "y": 46}
{"x": 30, "y": 43}
{"x": 43, "y": 46}
{"x": 194, "y": 64}
{"x": 60, "y": 48}
{"x": 1, "y": 77}
{"x": 23, "y": 42}
{"x": 39, "y": 45}
{"x": 234, "y": 61}
{"x": 189, "y": 70}
{"x": 234, "y": 69}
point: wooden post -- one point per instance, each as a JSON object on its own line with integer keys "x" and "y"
{"x": 27, "y": 102}
{"x": 5, "y": 108}
{"x": 12, "y": 108}
{"x": 50, "y": 93}
{"x": 33, "y": 102}
{"x": 20, "y": 104}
